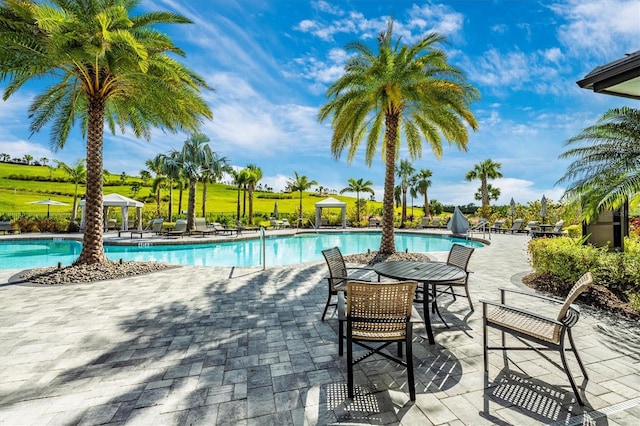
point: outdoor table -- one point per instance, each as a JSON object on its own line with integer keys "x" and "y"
{"x": 426, "y": 273}
{"x": 545, "y": 226}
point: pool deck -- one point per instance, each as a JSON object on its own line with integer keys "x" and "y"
{"x": 213, "y": 345}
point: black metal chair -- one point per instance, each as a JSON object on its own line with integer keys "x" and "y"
{"x": 381, "y": 313}
{"x": 459, "y": 256}
{"x": 537, "y": 328}
{"x": 338, "y": 274}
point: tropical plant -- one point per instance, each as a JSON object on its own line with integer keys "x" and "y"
{"x": 28, "y": 159}
{"x": 606, "y": 170}
{"x": 254, "y": 174}
{"x": 493, "y": 193}
{"x": 404, "y": 171}
{"x": 194, "y": 159}
{"x": 44, "y": 161}
{"x": 77, "y": 172}
{"x": 485, "y": 170}
{"x": 156, "y": 165}
{"x": 145, "y": 176}
{"x": 420, "y": 183}
{"x": 213, "y": 173}
{"x": 409, "y": 90}
{"x": 358, "y": 186}
{"x": 239, "y": 181}
{"x": 300, "y": 184}
{"x": 104, "y": 65}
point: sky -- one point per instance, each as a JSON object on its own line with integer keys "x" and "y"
{"x": 270, "y": 63}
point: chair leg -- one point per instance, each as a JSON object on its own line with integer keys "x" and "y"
{"x": 411, "y": 379}
{"x": 466, "y": 290}
{"x": 568, "y": 372}
{"x": 485, "y": 340}
{"x": 340, "y": 338}
{"x": 349, "y": 361}
{"x": 326, "y": 306}
{"x": 575, "y": 352}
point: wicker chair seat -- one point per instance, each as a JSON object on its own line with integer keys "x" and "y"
{"x": 524, "y": 323}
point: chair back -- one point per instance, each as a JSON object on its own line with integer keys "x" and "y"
{"x": 459, "y": 256}
{"x": 157, "y": 225}
{"x": 379, "y": 311}
{"x": 517, "y": 224}
{"x": 425, "y": 220}
{"x": 558, "y": 226}
{"x": 336, "y": 265}
{"x": 498, "y": 224}
{"x": 200, "y": 224}
{"x": 181, "y": 225}
{"x": 435, "y": 221}
{"x": 580, "y": 286}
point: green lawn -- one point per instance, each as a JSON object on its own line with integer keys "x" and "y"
{"x": 221, "y": 199}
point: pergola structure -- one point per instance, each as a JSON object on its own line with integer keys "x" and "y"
{"x": 117, "y": 200}
{"x": 331, "y": 203}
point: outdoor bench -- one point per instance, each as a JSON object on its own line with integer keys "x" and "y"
{"x": 5, "y": 227}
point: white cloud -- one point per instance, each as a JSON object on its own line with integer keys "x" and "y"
{"x": 20, "y": 148}
{"x": 324, "y": 6}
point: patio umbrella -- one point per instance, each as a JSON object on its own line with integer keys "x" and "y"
{"x": 513, "y": 209}
{"x": 48, "y": 202}
{"x": 275, "y": 210}
{"x": 458, "y": 224}
{"x": 543, "y": 208}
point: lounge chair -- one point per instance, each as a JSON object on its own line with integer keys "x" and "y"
{"x": 373, "y": 222}
{"x": 200, "y": 227}
{"x": 154, "y": 226}
{"x": 382, "y": 314}
{"x": 497, "y": 226}
{"x": 179, "y": 230}
{"x": 425, "y": 221}
{"x": 339, "y": 273}
{"x": 554, "y": 232}
{"x": 517, "y": 224}
{"x": 221, "y": 230}
{"x": 436, "y": 222}
{"x": 275, "y": 224}
{"x": 531, "y": 227}
{"x": 285, "y": 223}
{"x": 530, "y": 325}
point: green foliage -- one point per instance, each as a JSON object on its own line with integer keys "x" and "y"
{"x": 566, "y": 259}
{"x": 574, "y": 231}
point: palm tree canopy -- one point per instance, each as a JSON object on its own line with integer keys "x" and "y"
{"x": 487, "y": 169}
{"x": 358, "y": 186}
{"x": 606, "y": 169}
{"x": 300, "y": 183}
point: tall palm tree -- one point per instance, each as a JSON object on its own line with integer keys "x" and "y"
{"x": 171, "y": 169}
{"x": 494, "y": 193}
{"x": 156, "y": 165}
{"x": 77, "y": 172}
{"x": 212, "y": 173}
{"x": 193, "y": 159}
{"x": 606, "y": 167}
{"x": 104, "y": 66}
{"x": 254, "y": 174}
{"x": 300, "y": 184}
{"x": 401, "y": 89}
{"x": 358, "y": 186}
{"x": 421, "y": 182}
{"x": 240, "y": 181}
{"x": 404, "y": 171}
{"x": 485, "y": 170}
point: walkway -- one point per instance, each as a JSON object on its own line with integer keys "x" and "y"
{"x": 196, "y": 345}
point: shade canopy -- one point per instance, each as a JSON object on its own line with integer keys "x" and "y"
{"x": 513, "y": 207}
{"x": 331, "y": 203}
{"x": 48, "y": 202}
{"x": 543, "y": 207}
{"x": 458, "y": 224}
{"x": 117, "y": 200}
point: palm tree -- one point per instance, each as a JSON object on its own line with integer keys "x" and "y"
{"x": 494, "y": 193}
{"x": 104, "y": 66}
{"x": 239, "y": 181}
{"x": 193, "y": 160}
{"x": 28, "y": 159}
{"x": 212, "y": 173}
{"x": 300, "y": 184}
{"x": 409, "y": 90}
{"x": 172, "y": 170}
{"x": 606, "y": 170}
{"x": 156, "y": 165}
{"x": 145, "y": 176}
{"x": 254, "y": 174}
{"x": 77, "y": 172}
{"x": 404, "y": 172}
{"x": 421, "y": 183}
{"x": 485, "y": 170}
{"x": 358, "y": 186}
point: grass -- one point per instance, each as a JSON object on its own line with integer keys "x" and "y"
{"x": 221, "y": 199}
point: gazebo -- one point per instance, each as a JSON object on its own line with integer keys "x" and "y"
{"x": 331, "y": 203}
{"x": 117, "y": 200}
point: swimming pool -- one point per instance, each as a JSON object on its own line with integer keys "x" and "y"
{"x": 282, "y": 250}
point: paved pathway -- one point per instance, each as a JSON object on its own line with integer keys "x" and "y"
{"x": 197, "y": 345}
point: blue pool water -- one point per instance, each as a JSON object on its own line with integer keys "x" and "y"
{"x": 285, "y": 250}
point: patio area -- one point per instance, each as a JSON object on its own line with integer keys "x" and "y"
{"x": 198, "y": 345}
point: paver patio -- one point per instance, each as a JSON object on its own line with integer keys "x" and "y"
{"x": 199, "y": 345}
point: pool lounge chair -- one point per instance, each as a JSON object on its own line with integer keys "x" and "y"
{"x": 517, "y": 224}
{"x": 531, "y": 227}
{"x": 154, "y": 227}
{"x": 179, "y": 230}
{"x": 555, "y": 232}
{"x": 222, "y": 230}
{"x": 285, "y": 223}
{"x": 201, "y": 227}
{"x": 275, "y": 224}
{"x": 497, "y": 226}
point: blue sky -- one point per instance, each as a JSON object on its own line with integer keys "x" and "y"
{"x": 270, "y": 63}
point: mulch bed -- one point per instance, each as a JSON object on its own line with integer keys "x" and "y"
{"x": 596, "y": 296}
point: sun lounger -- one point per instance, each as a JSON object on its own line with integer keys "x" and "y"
{"x": 179, "y": 230}
{"x": 201, "y": 227}
{"x": 154, "y": 227}
{"x": 517, "y": 224}
{"x": 5, "y": 227}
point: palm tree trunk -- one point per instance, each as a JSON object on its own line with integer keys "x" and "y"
{"x": 92, "y": 248}
{"x": 358, "y": 207}
{"x": 75, "y": 202}
{"x": 387, "y": 241}
{"x": 204, "y": 198}
{"x": 191, "y": 206}
{"x": 170, "y": 199}
{"x": 181, "y": 183}
{"x": 244, "y": 201}
{"x": 404, "y": 205}
{"x": 426, "y": 205}
{"x": 238, "y": 205}
{"x": 251, "y": 189}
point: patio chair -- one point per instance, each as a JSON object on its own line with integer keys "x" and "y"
{"x": 285, "y": 223}
{"x": 373, "y": 222}
{"x": 218, "y": 229}
{"x": 200, "y": 227}
{"x": 275, "y": 224}
{"x": 459, "y": 256}
{"x": 535, "y": 327}
{"x": 339, "y": 273}
{"x": 497, "y": 226}
{"x": 436, "y": 222}
{"x": 531, "y": 226}
{"x": 517, "y": 224}
{"x": 381, "y": 313}
{"x": 154, "y": 226}
{"x": 179, "y": 230}
{"x": 554, "y": 232}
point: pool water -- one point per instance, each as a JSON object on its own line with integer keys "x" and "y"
{"x": 283, "y": 250}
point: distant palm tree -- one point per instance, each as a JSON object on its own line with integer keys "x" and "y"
{"x": 494, "y": 193}
{"x": 44, "y": 161}
{"x": 145, "y": 176}
{"x": 240, "y": 182}
{"x": 606, "y": 169}
{"x": 104, "y": 66}
{"x": 404, "y": 171}
{"x": 156, "y": 165}
{"x": 300, "y": 184}
{"x": 28, "y": 159}
{"x": 421, "y": 183}
{"x": 485, "y": 170}
{"x": 358, "y": 186}
{"x": 401, "y": 89}
{"x": 212, "y": 173}
{"x": 193, "y": 159}
{"x": 254, "y": 174}
{"x": 77, "y": 172}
